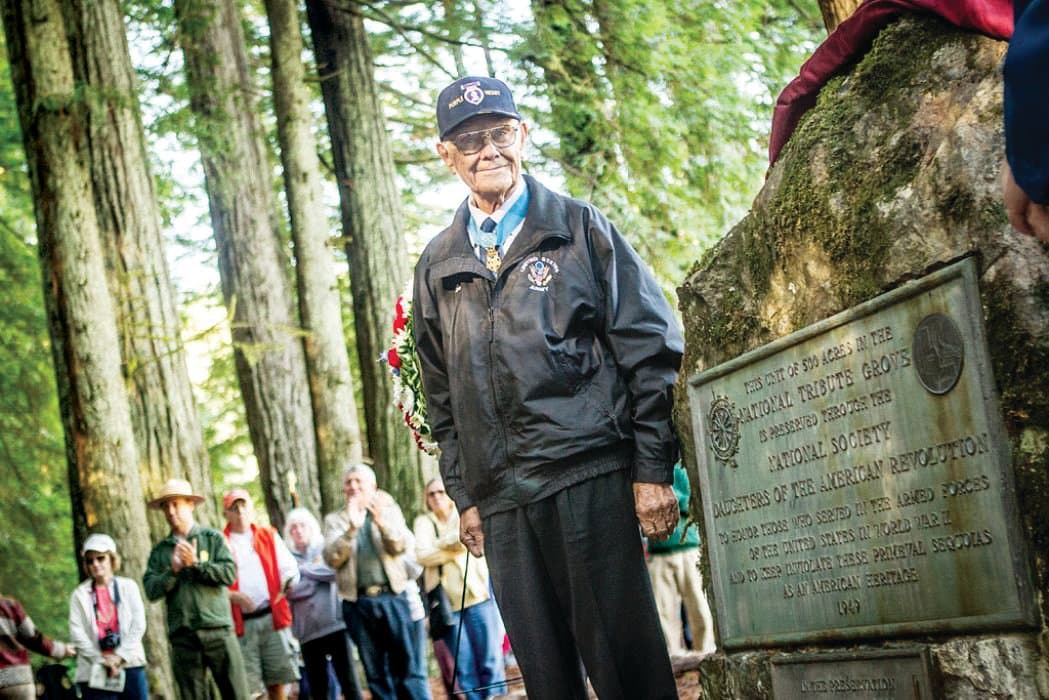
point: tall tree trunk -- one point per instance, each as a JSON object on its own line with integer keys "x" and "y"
{"x": 834, "y": 11}
{"x": 331, "y": 385}
{"x": 372, "y": 225}
{"x": 483, "y": 37}
{"x": 453, "y": 24}
{"x": 163, "y": 411}
{"x": 271, "y": 364}
{"x": 631, "y": 69}
{"x": 105, "y": 488}
{"x": 566, "y": 52}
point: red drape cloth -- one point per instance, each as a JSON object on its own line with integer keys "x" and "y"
{"x": 853, "y": 37}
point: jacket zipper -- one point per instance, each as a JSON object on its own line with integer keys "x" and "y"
{"x": 491, "y": 372}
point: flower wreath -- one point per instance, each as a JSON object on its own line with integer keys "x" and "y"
{"x": 403, "y": 363}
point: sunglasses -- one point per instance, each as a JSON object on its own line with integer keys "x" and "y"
{"x": 99, "y": 557}
{"x": 434, "y": 493}
{"x": 470, "y": 142}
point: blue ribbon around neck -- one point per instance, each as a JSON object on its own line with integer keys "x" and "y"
{"x": 510, "y": 221}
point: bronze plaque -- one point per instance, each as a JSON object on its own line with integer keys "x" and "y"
{"x": 894, "y": 674}
{"x": 855, "y": 476}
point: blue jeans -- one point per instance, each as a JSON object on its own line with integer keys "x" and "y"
{"x": 480, "y": 659}
{"x": 134, "y": 687}
{"x": 382, "y": 628}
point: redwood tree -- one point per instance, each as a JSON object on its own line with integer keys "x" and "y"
{"x": 834, "y": 11}
{"x": 269, "y": 357}
{"x": 331, "y": 384}
{"x": 372, "y": 225}
{"x": 105, "y": 488}
{"x": 163, "y": 412}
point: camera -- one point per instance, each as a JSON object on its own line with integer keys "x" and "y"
{"x": 110, "y": 641}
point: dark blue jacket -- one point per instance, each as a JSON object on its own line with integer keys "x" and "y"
{"x": 1027, "y": 99}
{"x": 556, "y": 370}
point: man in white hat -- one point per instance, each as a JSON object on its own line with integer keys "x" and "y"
{"x": 191, "y": 569}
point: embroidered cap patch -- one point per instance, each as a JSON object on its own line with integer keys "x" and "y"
{"x": 473, "y": 93}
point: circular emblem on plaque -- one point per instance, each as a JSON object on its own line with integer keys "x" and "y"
{"x": 724, "y": 429}
{"x": 939, "y": 353}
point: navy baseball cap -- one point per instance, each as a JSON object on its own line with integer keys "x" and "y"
{"x": 473, "y": 96}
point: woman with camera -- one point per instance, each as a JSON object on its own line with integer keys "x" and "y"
{"x": 106, "y": 623}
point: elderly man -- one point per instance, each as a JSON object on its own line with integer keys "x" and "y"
{"x": 190, "y": 569}
{"x": 261, "y": 613}
{"x": 365, "y": 543}
{"x": 549, "y": 355}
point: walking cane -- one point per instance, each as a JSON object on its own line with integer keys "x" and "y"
{"x": 459, "y": 638}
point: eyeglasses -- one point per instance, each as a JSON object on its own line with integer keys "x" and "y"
{"x": 470, "y": 142}
{"x": 99, "y": 557}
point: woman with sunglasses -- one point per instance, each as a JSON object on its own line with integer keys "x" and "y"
{"x": 479, "y": 667}
{"x": 107, "y": 621}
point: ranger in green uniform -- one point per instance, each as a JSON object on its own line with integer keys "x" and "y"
{"x": 191, "y": 569}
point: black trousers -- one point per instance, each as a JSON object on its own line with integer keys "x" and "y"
{"x": 315, "y": 657}
{"x": 570, "y": 580}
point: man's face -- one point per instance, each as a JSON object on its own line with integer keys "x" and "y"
{"x": 357, "y": 489}
{"x": 492, "y": 172}
{"x": 179, "y": 513}
{"x": 239, "y": 515}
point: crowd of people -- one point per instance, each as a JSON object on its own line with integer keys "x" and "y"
{"x": 265, "y": 613}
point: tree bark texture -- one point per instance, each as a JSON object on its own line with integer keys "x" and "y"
{"x": 268, "y": 352}
{"x": 320, "y": 308}
{"x": 834, "y": 11}
{"x": 105, "y": 488}
{"x": 372, "y": 225}
{"x": 163, "y": 411}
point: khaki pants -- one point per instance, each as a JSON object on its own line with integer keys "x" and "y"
{"x": 25, "y": 691}
{"x": 676, "y": 579}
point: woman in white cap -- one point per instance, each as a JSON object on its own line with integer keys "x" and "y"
{"x": 106, "y": 623}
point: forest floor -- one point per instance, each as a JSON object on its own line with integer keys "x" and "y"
{"x": 686, "y": 670}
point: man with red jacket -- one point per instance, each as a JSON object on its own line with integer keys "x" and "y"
{"x": 261, "y": 614}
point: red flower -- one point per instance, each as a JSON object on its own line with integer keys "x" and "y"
{"x": 400, "y": 319}
{"x": 393, "y": 358}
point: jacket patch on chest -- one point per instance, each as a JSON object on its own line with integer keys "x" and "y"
{"x": 541, "y": 271}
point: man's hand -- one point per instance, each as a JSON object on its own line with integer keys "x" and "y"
{"x": 70, "y": 650}
{"x": 242, "y": 601}
{"x": 184, "y": 555}
{"x": 470, "y": 533}
{"x": 1026, "y": 216}
{"x": 355, "y": 513}
{"x": 375, "y": 508}
{"x": 656, "y": 509}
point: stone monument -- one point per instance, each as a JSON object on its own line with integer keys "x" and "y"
{"x": 864, "y": 399}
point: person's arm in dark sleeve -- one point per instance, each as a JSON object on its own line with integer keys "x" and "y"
{"x": 220, "y": 569}
{"x": 159, "y": 578}
{"x": 1027, "y": 99}
{"x": 426, "y": 326}
{"x": 643, "y": 336}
